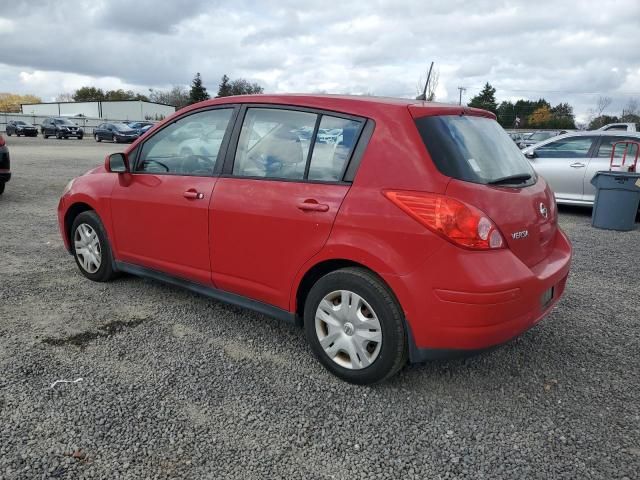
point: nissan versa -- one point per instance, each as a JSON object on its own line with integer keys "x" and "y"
{"x": 421, "y": 232}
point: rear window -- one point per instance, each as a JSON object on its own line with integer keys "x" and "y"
{"x": 473, "y": 149}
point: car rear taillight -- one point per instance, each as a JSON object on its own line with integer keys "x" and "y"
{"x": 456, "y": 221}
{"x": 1, "y": 141}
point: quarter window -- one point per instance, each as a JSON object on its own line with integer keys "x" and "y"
{"x": 572, "y": 147}
{"x": 189, "y": 146}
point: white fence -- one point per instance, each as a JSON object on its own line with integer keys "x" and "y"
{"x": 87, "y": 123}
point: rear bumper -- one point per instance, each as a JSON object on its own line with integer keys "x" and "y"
{"x": 463, "y": 302}
{"x": 5, "y": 176}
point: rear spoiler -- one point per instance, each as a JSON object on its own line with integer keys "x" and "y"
{"x": 427, "y": 109}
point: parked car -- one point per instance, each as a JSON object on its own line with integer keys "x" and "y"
{"x": 625, "y": 127}
{"x": 432, "y": 235}
{"x": 537, "y": 137}
{"x": 140, "y": 127}
{"x": 61, "y": 128}
{"x": 19, "y": 127}
{"x": 115, "y": 132}
{"x": 570, "y": 161}
{"x": 5, "y": 164}
{"x": 518, "y": 138}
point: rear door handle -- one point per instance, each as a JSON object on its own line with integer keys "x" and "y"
{"x": 577, "y": 165}
{"x": 313, "y": 206}
{"x": 192, "y": 194}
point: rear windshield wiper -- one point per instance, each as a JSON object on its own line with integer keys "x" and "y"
{"x": 520, "y": 178}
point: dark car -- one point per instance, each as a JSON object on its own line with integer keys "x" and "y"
{"x": 116, "y": 132}
{"x": 61, "y": 128}
{"x": 5, "y": 165}
{"x": 140, "y": 127}
{"x": 19, "y": 127}
{"x": 452, "y": 247}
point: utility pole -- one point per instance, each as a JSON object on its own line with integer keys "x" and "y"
{"x": 462, "y": 89}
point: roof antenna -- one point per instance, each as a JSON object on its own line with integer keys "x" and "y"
{"x": 423, "y": 97}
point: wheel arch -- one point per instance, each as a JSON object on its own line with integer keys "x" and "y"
{"x": 318, "y": 270}
{"x": 70, "y": 215}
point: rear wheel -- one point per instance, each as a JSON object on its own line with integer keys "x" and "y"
{"x": 91, "y": 247}
{"x": 355, "y": 326}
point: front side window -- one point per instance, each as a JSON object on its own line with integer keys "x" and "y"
{"x": 189, "y": 146}
{"x": 273, "y": 143}
{"x": 571, "y": 147}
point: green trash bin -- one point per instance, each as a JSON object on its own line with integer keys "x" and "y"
{"x": 617, "y": 199}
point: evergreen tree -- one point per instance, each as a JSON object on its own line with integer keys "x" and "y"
{"x": 486, "y": 99}
{"x": 224, "y": 89}
{"x": 198, "y": 91}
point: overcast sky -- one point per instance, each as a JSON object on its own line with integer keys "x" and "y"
{"x": 570, "y": 51}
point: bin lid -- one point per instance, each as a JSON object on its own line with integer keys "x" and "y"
{"x": 624, "y": 180}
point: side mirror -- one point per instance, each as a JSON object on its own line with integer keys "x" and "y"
{"x": 530, "y": 155}
{"x": 117, "y": 163}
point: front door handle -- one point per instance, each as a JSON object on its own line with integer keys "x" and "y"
{"x": 313, "y": 206}
{"x": 192, "y": 194}
{"x": 577, "y": 165}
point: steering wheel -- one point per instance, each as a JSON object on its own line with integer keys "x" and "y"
{"x": 156, "y": 162}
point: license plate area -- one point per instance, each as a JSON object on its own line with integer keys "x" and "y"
{"x": 547, "y": 297}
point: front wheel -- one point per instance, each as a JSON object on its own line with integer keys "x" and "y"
{"x": 91, "y": 248}
{"x": 80, "y": 137}
{"x": 355, "y": 326}
{"x": 114, "y": 139}
{"x": 96, "y": 137}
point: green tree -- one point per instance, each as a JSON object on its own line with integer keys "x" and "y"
{"x": 486, "y": 99}
{"x": 562, "y": 116}
{"x": 239, "y": 86}
{"x": 224, "y": 89}
{"x": 88, "y": 94}
{"x": 198, "y": 91}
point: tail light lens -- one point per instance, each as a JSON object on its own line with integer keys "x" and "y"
{"x": 456, "y": 221}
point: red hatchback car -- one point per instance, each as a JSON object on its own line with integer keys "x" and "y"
{"x": 389, "y": 229}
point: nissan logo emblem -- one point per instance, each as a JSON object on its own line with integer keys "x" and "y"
{"x": 543, "y": 210}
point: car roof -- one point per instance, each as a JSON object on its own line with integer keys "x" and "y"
{"x": 361, "y": 105}
{"x": 586, "y": 133}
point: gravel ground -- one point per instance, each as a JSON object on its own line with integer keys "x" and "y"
{"x": 175, "y": 385}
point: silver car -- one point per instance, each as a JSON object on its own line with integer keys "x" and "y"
{"x": 568, "y": 162}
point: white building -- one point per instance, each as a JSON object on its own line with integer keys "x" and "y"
{"x": 108, "y": 110}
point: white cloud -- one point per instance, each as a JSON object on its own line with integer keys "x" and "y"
{"x": 566, "y": 52}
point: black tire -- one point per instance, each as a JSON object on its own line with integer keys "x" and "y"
{"x": 44, "y": 135}
{"x": 393, "y": 351}
{"x": 58, "y": 136}
{"x": 80, "y": 137}
{"x": 114, "y": 139}
{"x": 105, "y": 272}
{"x": 97, "y": 138}
{"x": 2, "y": 187}
{"x": 9, "y": 134}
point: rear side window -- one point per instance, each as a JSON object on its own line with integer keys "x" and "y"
{"x": 606, "y": 145}
{"x": 473, "y": 149}
{"x": 280, "y": 144}
{"x": 272, "y": 143}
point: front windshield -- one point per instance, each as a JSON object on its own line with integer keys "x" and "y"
{"x": 63, "y": 121}
{"x": 20, "y": 122}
